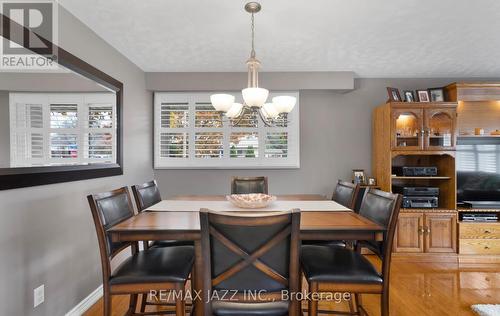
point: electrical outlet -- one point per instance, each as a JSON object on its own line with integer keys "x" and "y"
{"x": 38, "y": 295}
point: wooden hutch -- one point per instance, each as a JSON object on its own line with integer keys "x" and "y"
{"x": 424, "y": 134}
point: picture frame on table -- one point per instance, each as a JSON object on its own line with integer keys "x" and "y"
{"x": 436, "y": 94}
{"x": 409, "y": 96}
{"x": 358, "y": 176}
{"x": 394, "y": 94}
{"x": 423, "y": 96}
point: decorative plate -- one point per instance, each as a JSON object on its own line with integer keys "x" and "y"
{"x": 253, "y": 200}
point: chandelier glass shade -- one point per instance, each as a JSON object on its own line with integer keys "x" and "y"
{"x": 254, "y": 97}
{"x": 235, "y": 110}
{"x": 222, "y": 102}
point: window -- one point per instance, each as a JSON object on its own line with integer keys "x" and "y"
{"x": 62, "y": 128}
{"x": 189, "y": 133}
{"x": 478, "y": 158}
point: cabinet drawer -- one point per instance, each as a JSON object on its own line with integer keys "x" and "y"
{"x": 479, "y": 231}
{"x": 479, "y": 246}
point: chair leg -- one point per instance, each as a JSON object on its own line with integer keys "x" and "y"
{"x": 180, "y": 305}
{"x": 384, "y": 303}
{"x": 313, "y": 304}
{"x": 352, "y": 305}
{"x": 132, "y": 304}
{"x": 357, "y": 298}
{"x": 106, "y": 302}
{"x": 144, "y": 300}
{"x": 312, "y": 308}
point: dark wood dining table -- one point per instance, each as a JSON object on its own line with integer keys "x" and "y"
{"x": 175, "y": 225}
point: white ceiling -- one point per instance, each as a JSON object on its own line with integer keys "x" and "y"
{"x": 373, "y": 38}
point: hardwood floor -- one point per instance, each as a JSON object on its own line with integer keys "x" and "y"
{"x": 416, "y": 289}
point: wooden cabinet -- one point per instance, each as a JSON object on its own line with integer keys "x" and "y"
{"x": 423, "y": 126}
{"x": 441, "y": 232}
{"x": 426, "y": 232}
{"x": 421, "y": 134}
{"x": 409, "y": 236}
{"x": 440, "y": 128}
{"x": 479, "y": 238}
{"x": 407, "y": 128}
{"x": 479, "y": 230}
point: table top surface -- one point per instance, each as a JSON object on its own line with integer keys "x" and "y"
{"x": 188, "y": 221}
{"x": 226, "y": 206}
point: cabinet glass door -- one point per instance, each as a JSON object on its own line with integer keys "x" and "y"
{"x": 440, "y": 129}
{"x": 407, "y": 128}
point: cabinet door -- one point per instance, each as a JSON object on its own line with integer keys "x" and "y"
{"x": 407, "y": 129}
{"x": 440, "y": 129}
{"x": 441, "y": 232}
{"x": 409, "y": 233}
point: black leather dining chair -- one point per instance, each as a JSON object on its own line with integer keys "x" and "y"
{"x": 151, "y": 269}
{"x": 248, "y": 253}
{"x": 147, "y": 195}
{"x": 345, "y": 194}
{"x": 329, "y": 269}
{"x": 246, "y": 185}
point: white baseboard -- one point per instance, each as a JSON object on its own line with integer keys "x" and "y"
{"x": 86, "y": 303}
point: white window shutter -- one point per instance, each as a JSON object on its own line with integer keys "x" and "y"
{"x": 189, "y": 133}
{"x": 62, "y": 128}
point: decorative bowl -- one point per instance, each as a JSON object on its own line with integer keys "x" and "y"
{"x": 253, "y": 200}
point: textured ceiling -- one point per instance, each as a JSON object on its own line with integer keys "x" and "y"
{"x": 373, "y": 38}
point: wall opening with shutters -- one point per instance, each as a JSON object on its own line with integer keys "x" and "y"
{"x": 48, "y": 129}
{"x": 190, "y": 134}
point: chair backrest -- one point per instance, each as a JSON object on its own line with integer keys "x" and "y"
{"x": 146, "y": 194}
{"x": 109, "y": 209}
{"x": 346, "y": 193}
{"x": 240, "y": 185}
{"x": 382, "y": 208}
{"x": 251, "y": 251}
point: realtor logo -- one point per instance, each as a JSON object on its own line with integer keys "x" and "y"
{"x": 31, "y": 27}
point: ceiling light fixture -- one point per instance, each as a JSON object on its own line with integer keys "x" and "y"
{"x": 254, "y": 97}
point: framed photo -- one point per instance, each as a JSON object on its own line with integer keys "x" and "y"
{"x": 358, "y": 176}
{"x": 372, "y": 181}
{"x": 436, "y": 94}
{"x": 423, "y": 96}
{"x": 409, "y": 96}
{"x": 394, "y": 94}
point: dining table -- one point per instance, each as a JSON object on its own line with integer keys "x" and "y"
{"x": 178, "y": 219}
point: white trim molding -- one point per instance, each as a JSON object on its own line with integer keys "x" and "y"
{"x": 86, "y": 303}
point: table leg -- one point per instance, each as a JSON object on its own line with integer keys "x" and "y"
{"x": 198, "y": 304}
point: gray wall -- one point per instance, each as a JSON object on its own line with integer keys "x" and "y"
{"x": 50, "y": 82}
{"x": 46, "y": 232}
{"x": 335, "y": 137}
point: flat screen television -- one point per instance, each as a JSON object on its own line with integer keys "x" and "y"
{"x": 478, "y": 171}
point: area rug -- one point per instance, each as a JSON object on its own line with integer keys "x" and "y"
{"x": 486, "y": 309}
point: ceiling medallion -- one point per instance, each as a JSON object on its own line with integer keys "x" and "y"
{"x": 254, "y": 97}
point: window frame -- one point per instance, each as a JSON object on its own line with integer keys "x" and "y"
{"x": 292, "y": 161}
